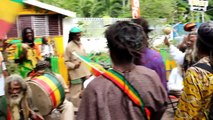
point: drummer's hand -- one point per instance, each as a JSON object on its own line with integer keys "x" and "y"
{"x": 23, "y": 56}
{"x": 36, "y": 116}
{"x": 166, "y": 41}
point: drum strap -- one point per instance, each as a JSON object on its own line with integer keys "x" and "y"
{"x": 8, "y": 114}
{"x": 128, "y": 89}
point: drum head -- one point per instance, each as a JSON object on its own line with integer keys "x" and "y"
{"x": 40, "y": 98}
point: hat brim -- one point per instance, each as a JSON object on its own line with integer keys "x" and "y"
{"x": 189, "y": 28}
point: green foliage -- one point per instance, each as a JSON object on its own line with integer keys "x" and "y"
{"x": 173, "y": 10}
{"x": 115, "y": 8}
{"x": 101, "y": 58}
{"x": 182, "y": 3}
{"x": 90, "y": 8}
{"x": 209, "y": 11}
{"x": 157, "y": 8}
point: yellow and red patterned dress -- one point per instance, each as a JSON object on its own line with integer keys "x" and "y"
{"x": 195, "y": 100}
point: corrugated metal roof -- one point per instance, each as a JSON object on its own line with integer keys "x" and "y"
{"x": 50, "y": 7}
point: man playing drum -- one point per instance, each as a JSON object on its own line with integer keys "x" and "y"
{"x": 27, "y": 52}
{"x": 43, "y": 75}
{"x": 18, "y": 98}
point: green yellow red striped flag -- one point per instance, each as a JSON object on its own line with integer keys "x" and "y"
{"x": 9, "y": 9}
{"x": 127, "y": 88}
{"x": 95, "y": 68}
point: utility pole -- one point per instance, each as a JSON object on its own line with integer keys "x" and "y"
{"x": 203, "y": 17}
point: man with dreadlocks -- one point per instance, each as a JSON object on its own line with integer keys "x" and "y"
{"x": 66, "y": 107}
{"x": 78, "y": 72}
{"x": 190, "y": 28}
{"x": 108, "y": 97}
{"x": 151, "y": 58}
{"x": 196, "y": 98}
{"x": 18, "y": 95}
{"x": 184, "y": 55}
{"x": 27, "y": 52}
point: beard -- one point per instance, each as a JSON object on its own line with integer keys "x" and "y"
{"x": 15, "y": 99}
{"x": 14, "y": 103}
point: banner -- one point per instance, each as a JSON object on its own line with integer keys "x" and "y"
{"x": 135, "y": 8}
{"x": 9, "y": 9}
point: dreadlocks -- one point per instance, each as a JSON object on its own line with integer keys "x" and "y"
{"x": 125, "y": 40}
{"x": 24, "y": 35}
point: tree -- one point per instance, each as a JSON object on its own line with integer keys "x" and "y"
{"x": 172, "y": 10}
{"x": 182, "y": 9}
{"x": 195, "y": 16}
{"x": 156, "y": 9}
{"x": 90, "y": 8}
{"x": 209, "y": 11}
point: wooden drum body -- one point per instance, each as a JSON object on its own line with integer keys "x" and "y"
{"x": 47, "y": 92}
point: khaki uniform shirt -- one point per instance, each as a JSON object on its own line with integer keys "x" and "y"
{"x": 71, "y": 61}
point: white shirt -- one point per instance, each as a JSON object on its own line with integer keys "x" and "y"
{"x": 2, "y": 80}
{"x": 87, "y": 81}
{"x": 176, "y": 54}
{"x": 46, "y": 50}
{"x": 175, "y": 80}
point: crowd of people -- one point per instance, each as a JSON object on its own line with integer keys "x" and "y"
{"x": 134, "y": 88}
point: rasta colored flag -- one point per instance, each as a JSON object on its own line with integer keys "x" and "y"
{"x": 95, "y": 68}
{"x": 9, "y": 9}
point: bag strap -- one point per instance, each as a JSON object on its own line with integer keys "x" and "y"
{"x": 8, "y": 114}
{"x": 204, "y": 66}
{"x": 127, "y": 88}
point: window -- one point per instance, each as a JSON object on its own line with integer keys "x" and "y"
{"x": 23, "y": 22}
{"x": 40, "y": 25}
{"x": 43, "y": 25}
